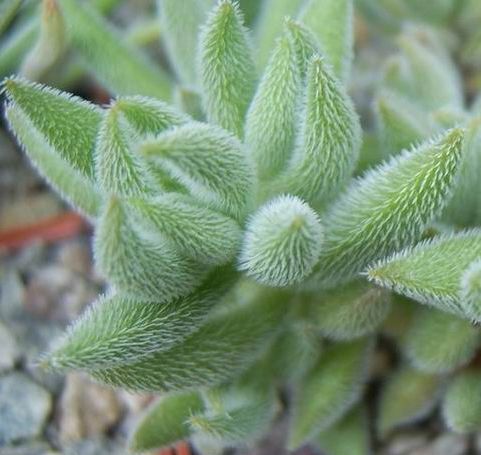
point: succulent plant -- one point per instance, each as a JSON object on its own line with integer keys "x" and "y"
{"x": 255, "y": 239}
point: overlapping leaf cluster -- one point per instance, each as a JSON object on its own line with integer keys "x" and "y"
{"x": 246, "y": 250}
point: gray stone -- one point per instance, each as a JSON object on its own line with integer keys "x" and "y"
{"x": 36, "y": 448}
{"x": 446, "y": 444}
{"x": 406, "y": 442}
{"x": 24, "y": 408}
{"x": 95, "y": 447}
{"x": 8, "y": 349}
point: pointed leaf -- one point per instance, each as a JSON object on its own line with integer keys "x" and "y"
{"x": 149, "y": 116}
{"x": 74, "y": 187}
{"x": 244, "y": 417}
{"x": 329, "y": 141}
{"x": 438, "y": 342}
{"x": 470, "y": 293}
{"x": 282, "y": 242}
{"x": 68, "y": 124}
{"x": 141, "y": 267}
{"x": 180, "y": 22}
{"x": 50, "y": 45}
{"x": 388, "y": 208}
{"x": 431, "y": 272}
{"x": 349, "y": 436}
{"x": 407, "y": 397}
{"x": 269, "y": 25}
{"x": 227, "y": 71}
{"x": 329, "y": 390}
{"x": 401, "y": 124}
{"x": 118, "y": 168}
{"x": 196, "y": 231}
{"x": 272, "y": 117}
{"x": 219, "y": 351}
{"x": 165, "y": 422}
{"x": 462, "y": 402}
{"x": 332, "y": 21}
{"x": 304, "y": 41}
{"x": 104, "y": 51}
{"x": 190, "y": 102}
{"x": 208, "y": 162}
{"x": 350, "y": 312}
{"x": 117, "y": 329}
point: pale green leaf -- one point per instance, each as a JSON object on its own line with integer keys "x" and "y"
{"x": 190, "y": 102}
{"x": 282, "y": 242}
{"x": 352, "y": 311}
{"x": 462, "y": 403}
{"x": 123, "y": 68}
{"x": 329, "y": 390}
{"x": 219, "y": 351}
{"x": 388, "y": 208}
{"x": 67, "y": 123}
{"x": 74, "y": 187}
{"x": 226, "y": 69}
{"x": 348, "y": 436}
{"x": 8, "y": 9}
{"x": 407, "y": 396}
{"x": 437, "y": 342}
{"x": 470, "y": 293}
{"x": 269, "y": 25}
{"x": 332, "y": 21}
{"x": 141, "y": 267}
{"x": 304, "y": 41}
{"x": 271, "y": 122}
{"x": 50, "y": 45}
{"x": 244, "y": 415}
{"x": 329, "y": 141}
{"x": 180, "y": 22}
{"x": 196, "y": 231}
{"x": 401, "y": 123}
{"x": 165, "y": 422}
{"x": 117, "y": 329}
{"x": 119, "y": 169}
{"x": 431, "y": 272}
{"x": 208, "y": 162}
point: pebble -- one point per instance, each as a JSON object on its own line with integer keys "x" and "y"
{"x": 406, "y": 442}
{"x": 36, "y": 448}
{"x": 9, "y": 352}
{"x": 445, "y": 444}
{"x": 24, "y": 408}
{"x": 86, "y": 409}
{"x": 100, "y": 446}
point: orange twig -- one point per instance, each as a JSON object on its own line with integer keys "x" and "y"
{"x": 50, "y": 230}
{"x": 183, "y": 449}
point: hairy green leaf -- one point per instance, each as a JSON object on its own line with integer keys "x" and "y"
{"x": 219, "y": 351}
{"x": 470, "y": 293}
{"x": 208, "y": 162}
{"x": 149, "y": 116}
{"x": 194, "y": 230}
{"x": 407, "y": 397}
{"x": 180, "y": 22}
{"x": 68, "y": 124}
{"x": 329, "y": 141}
{"x": 437, "y": 342}
{"x": 329, "y": 390}
{"x": 332, "y": 22}
{"x": 139, "y": 266}
{"x": 74, "y": 187}
{"x": 123, "y": 69}
{"x": 431, "y": 272}
{"x": 282, "y": 242}
{"x": 273, "y": 114}
{"x": 166, "y": 421}
{"x": 117, "y": 329}
{"x": 269, "y": 25}
{"x": 388, "y": 208}
{"x": 401, "y": 123}
{"x": 118, "y": 168}
{"x": 244, "y": 415}
{"x": 462, "y": 403}
{"x": 352, "y": 311}
{"x": 348, "y": 436}
{"x": 227, "y": 72}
